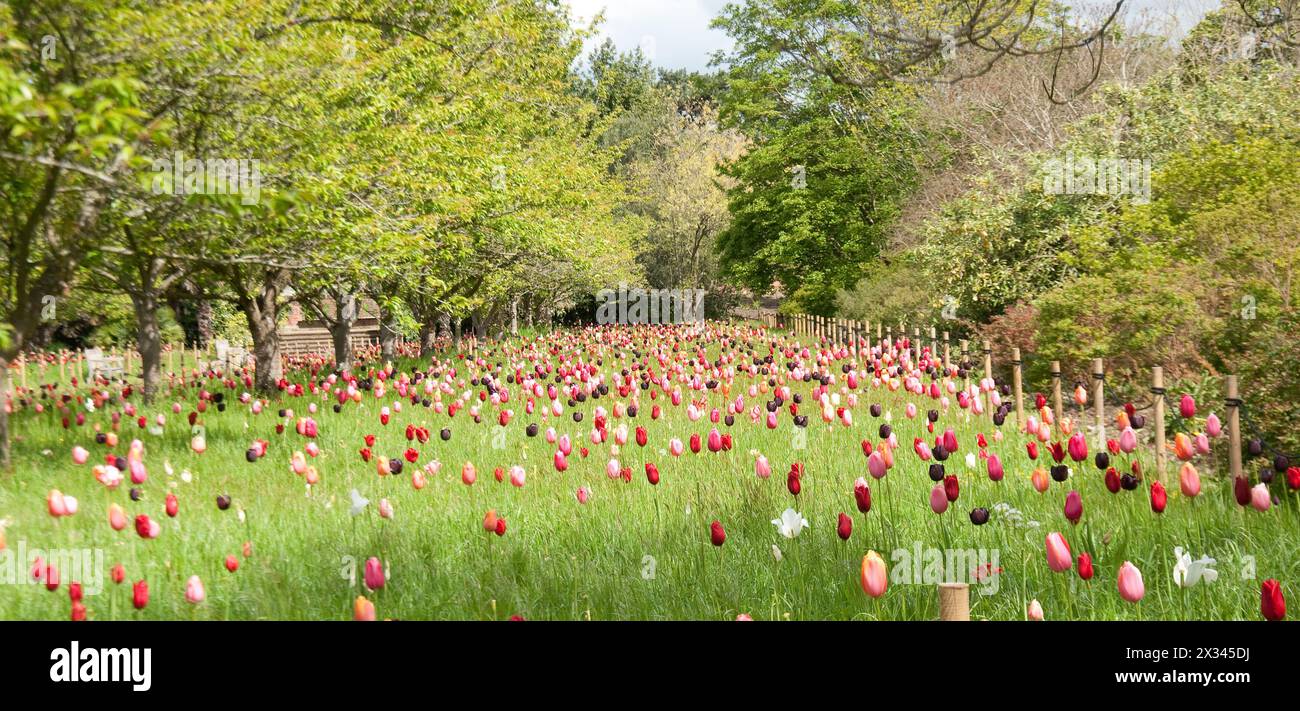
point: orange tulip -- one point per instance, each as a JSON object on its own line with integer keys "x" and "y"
{"x": 875, "y": 576}
{"x": 1183, "y": 447}
{"x": 363, "y": 610}
{"x": 1039, "y": 480}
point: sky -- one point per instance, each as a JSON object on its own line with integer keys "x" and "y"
{"x": 675, "y": 34}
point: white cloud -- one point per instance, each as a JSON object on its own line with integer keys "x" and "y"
{"x": 675, "y": 34}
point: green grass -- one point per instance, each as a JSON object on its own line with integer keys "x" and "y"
{"x": 560, "y": 559}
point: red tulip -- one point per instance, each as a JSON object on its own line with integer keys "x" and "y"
{"x": 845, "y": 527}
{"x": 1073, "y": 506}
{"x": 1158, "y": 497}
{"x": 716, "y": 534}
{"x": 862, "y": 494}
{"x": 118, "y": 574}
{"x": 1293, "y": 478}
{"x": 140, "y": 594}
{"x": 1078, "y": 447}
{"x": 1271, "y": 602}
{"x": 1085, "y": 566}
{"x": 950, "y": 488}
{"x": 173, "y": 505}
{"x": 232, "y": 563}
{"x": 1112, "y": 480}
{"x": 1187, "y": 406}
{"x": 652, "y": 473}
{"x": 1241, "y": 490}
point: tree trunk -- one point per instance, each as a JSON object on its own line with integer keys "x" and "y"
{"x": 514, "y": 316}
{"x": 388, "y": 335}
{"x": 148, "y": 338}
{"x": 455, "y": 331}
{"x": 262, "y": 311}
{"x": 340, "y": 328}
{"x": 203, "y": 324}
{"x": 4, "y": 414}
{"x": 428, "y": 337}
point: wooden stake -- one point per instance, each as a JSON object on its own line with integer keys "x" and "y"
{"x": 1233, "y": 403}
{"x": 1099, "y": 402}
{"x": 947, "y": 346}
{"x": 1056, "y": 391}
{"x": 954, "y": 602}
{"x": 1016, "y": 384}
{"x": 988, "y": 361}
{"x": 1158, "y": 396}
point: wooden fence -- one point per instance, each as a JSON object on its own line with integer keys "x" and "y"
{"x": 862, "y": 335}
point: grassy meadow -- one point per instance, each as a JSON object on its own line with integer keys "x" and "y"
{"x": 633, "y": 551}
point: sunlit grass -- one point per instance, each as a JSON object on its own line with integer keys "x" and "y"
{"x": 634, "y": 551}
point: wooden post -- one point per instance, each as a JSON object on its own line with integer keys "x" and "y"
{"x": 1098, "y": 401}
{"x": 1056, "y": 391}
{"x": 1233, "y": 403}
{"x": 1016, "y": 384}
{"x": 988, "y": 360}
{"x": 954, "y": 602}
{"x": 1158, "y": 397}
{"x": 171, "y": 360}
{"x": 947, "y": 347}
{"x": 934, "y": 343}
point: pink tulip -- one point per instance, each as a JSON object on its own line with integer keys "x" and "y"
{"x": 1259, "y": 497}
{"x": 1187, "y": 406}
{"x": 1213, "y": 427}
{"x": 56, "y": 503}
{"x": 938, "y": 499}
{"x": 583, "y": 494}
{"x": 116, "y": 517}
{"x": 995, "y": 468}
{"x": 1035, "y": 611}
{"x": 80, "y": 455}
{"x": 613, "y": 469}
{"x": 374, "y": 573}
{"x": 1059, "y": 558}
{"x": 1188, "y": 480}
{"x": 385, "y": 509}
{"x": 194, "y": 592}
{"x": 1128, "y": 440}
{"x": 1130, "y": 583}
{"x": 517, "y": 476}
{"x": 675, "y": 447}
{"x": 876, "y": 465}
{"x": 1202, "y": 444}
